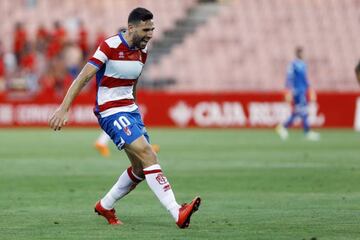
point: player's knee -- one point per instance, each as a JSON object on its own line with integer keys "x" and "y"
{"x": 148, "y": 156}
{"x": 138, "y": 171}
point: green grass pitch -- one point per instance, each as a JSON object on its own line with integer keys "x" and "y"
{"x": 253, "y": 185}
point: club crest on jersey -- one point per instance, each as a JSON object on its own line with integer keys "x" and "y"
{"x": 121, "y": 55}
{"x": 161, "y": 179}
{"x": 127, "y": 131}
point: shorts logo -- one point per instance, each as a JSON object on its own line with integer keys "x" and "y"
{"x": 127, "y": 131}
{"x": 161, "y": 179}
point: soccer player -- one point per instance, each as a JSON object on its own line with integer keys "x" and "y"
{"x": 101, "y": 145}
{"x": 357, "y": 72}
{"x": 297, "y": 91}
{"x": 118, "y": 63}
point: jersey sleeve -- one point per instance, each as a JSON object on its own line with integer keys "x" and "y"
{"x": 101, "y": 55}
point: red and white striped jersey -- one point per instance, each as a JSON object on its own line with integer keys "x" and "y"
{"x": 119, "y": 68}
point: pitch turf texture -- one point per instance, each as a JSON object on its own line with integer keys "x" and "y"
{"x": 253, "y": 185}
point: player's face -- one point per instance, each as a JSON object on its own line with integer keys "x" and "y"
{"x": 358, "y": 76}
{"x": 142, "y": 33}
{"x": 299, "y": 53}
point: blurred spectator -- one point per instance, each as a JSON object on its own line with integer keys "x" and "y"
{"x": 47, "y": 82}
{"x": 57, "y": 40}
{"x": 28, "y": 67}
{"x": 46, "y": 65}
{"x": 42, "y": 38}
{"x": 10, "y": 63}
{"x": 20, "y": 39}
{"x": 28, "y": 58}
{"x": 100, "y": 37}
{"x": 83, "y": 40}
{"x": 2, "y": 70}
{"x": 73, "y": 57}
{"x": 60, "y": 74}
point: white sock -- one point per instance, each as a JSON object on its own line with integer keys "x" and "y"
{"x": 162, "y": 189}
{"x": 103, "y": 139}
{"x": 126, "y": 182}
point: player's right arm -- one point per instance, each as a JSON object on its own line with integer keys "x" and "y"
{"x": 288, "y": 93}
{"x": 59, "y": 118}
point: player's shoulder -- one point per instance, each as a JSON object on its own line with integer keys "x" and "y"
{"x": 298, "y": 63}
{"x": 113, "y": 41}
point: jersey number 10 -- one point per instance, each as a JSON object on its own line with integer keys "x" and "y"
{"x": 122, "y": 122}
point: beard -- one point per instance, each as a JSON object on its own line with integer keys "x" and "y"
{"x": 139, "y": 42}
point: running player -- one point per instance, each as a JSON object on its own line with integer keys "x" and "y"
{"x": 118, "y": 63}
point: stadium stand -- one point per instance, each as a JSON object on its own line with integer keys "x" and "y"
{"x": 247, "y": 46}
{"x": 107, "y": 15}
{"x": 35, "y": 64}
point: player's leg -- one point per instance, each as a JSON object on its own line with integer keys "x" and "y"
{"x": 290, "y": 121}
{"x": 128, "y": 179}
{"x": 127, "y": 182}
{"x": 127, "y": 130}
{"x": 304, "y": 113}
{"x": 281, "y": 129}
{"x": 310, "y": 135}
{"x": 159, "y": 184}
{"x": 154, "y": 176}
{"x": 101, "y": 144}
{"x": 305, "y": 122}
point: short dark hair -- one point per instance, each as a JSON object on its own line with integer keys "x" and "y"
{"x": 299, "y": 49}
{"x": 357, "y": 68}
{"x": 139, "y": 14}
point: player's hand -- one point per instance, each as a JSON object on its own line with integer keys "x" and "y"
{"x": 288, "y": 96}
{"x": 58, "y": 119}
{"x": 312, "y": 95}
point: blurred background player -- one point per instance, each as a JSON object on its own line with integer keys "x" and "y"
{"x": 102, "y": 146}
{"x": 118, "y": 63}
{"x": 357, "y": 72}
{"x": 297, "y": 92}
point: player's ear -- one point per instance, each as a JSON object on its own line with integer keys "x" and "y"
{"x": 131, "y": 28}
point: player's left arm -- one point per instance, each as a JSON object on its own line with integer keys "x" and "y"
{"x": 312, "y": 95}
{"x": 289, "y": 88}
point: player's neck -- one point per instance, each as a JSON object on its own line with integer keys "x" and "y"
{"x": 128, "y": 39}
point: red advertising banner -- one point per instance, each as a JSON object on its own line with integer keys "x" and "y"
{"x": 163, "y": 109}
